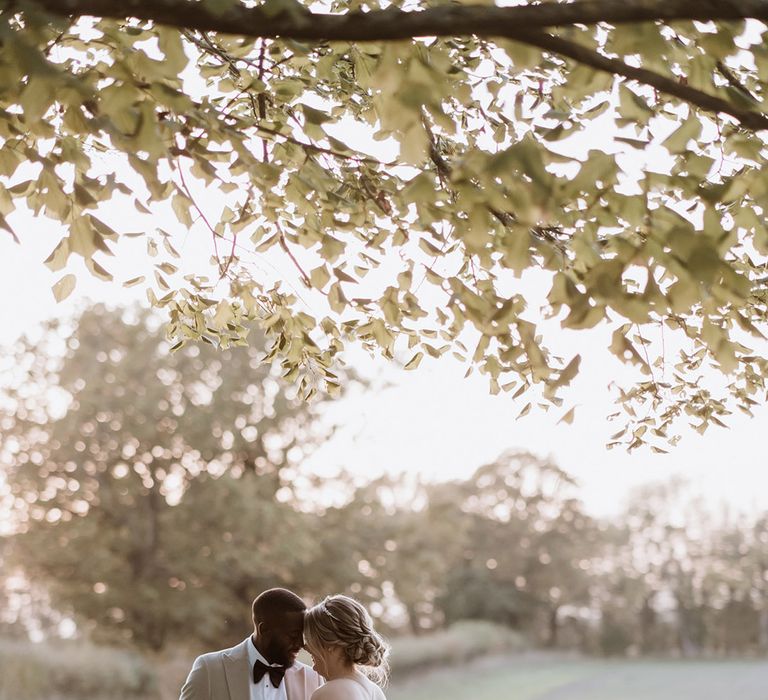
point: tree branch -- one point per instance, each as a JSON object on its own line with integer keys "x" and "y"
{"x": 582, "y": 54}
{"x": 519, "y": 23}
{"x": 444, "y": 171}
{"x": 296, "y": 263}
{"x": 320, "y": 149}
{"x": 297, "y": 22}
{"x": 223, "y": 267}
{"x": 734, "y": 82}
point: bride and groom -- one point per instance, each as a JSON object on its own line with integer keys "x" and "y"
{"x": 338, "y": 633}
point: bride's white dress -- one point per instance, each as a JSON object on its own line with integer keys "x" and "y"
{"x": 359, "y": 688}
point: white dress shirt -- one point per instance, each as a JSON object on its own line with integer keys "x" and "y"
{"x": 263, "y": 690}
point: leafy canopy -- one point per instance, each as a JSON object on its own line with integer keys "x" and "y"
{"x": 613, "y": 150}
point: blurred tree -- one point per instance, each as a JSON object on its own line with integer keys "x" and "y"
{"x": 392, "y": 545}
{"x": 10, "y": 625}
{"x": 530, "y": 542}
{"x": 433, "y": 537}
{"x": 649, "y": 582}
{"x": 760, "y": 578}
{"x": 154, "y": 493}
{"x": 25, "y": 606}
{"x": 736, "y": 587}
{"x": 675, "y": 579}
{"x": 625, "y": 596}
{"x": 151, "y": 488}
{"x": 350, "y": 541}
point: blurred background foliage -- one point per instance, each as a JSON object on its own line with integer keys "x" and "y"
{"x": 153, "y": 494}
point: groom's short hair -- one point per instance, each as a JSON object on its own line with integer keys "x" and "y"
{"x": 276, "y": 602}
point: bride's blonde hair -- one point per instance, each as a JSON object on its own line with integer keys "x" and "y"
{"x": 343, "y": 622}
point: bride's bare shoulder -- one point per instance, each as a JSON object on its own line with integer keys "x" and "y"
{"x": 340, "y": 689}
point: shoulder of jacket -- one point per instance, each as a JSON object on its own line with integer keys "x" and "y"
{"x": 212, "y": 655}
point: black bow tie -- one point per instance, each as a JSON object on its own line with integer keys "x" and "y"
{"x": 276, "y": 673}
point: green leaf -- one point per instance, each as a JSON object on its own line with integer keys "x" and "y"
{"x": 677, "y": 141}
{"x": 343, "y": 276}
{"x": 64, "y": 287}
{"x": 172, "y": 46}
{"x": 415, "y": 361}
{"x": 632, "y": 106}
{"x": 97, "y": 270}
{"x": 7, "y": 227}
{"x": 182, "y": 206}
{"x": 36, "y": 98}
{"x": 569, "y": 372}
{"x": 319, "y": 277}
{"x": 314, "y": 116}
{"x": 82, "y": 238}
{"x": 59, "y": 256}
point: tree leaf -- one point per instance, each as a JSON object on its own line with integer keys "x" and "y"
{"x": 6, "y": 227}
{"x": 568, "y": 416}
{"x": 64, "y": 287}
{"x": 415, "y": 361}
{"x": 134, "y": 281}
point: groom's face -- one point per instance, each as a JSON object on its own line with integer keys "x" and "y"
{"x": 283, "y": 637}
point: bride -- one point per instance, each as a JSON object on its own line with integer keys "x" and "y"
{"x": 340, "y": 637}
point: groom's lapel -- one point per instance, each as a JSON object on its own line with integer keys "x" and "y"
{"x": 237, "y": 672}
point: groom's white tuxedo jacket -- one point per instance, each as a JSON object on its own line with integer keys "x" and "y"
{"x": 226, "y": 675}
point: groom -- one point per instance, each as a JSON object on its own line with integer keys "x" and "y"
{"x": 263, "y": 666}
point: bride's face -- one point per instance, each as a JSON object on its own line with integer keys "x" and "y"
{"x": 318, "y": 660}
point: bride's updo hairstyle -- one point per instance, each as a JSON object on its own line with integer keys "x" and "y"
{"x": 339, "y": 621}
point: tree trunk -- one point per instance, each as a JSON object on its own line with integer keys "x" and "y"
{"x": 763, "y": 629}
{"x": 647, "y": 623}
{"x": 413, "y": 619}
{"x": 553, "y": 627}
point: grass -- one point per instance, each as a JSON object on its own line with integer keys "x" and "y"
{"x": 68, "y": 670}
{"x": 460, "y": 643}
{"x": 543, "y": 677}
{"x": 466, "y": 662}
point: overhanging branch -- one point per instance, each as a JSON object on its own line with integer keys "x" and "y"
{"x": 698, "y": 98}
{"x": 296, "y": 22}
{"x": 519, "y": 23}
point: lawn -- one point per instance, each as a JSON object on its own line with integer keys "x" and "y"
{"x": 536, "y": 677}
